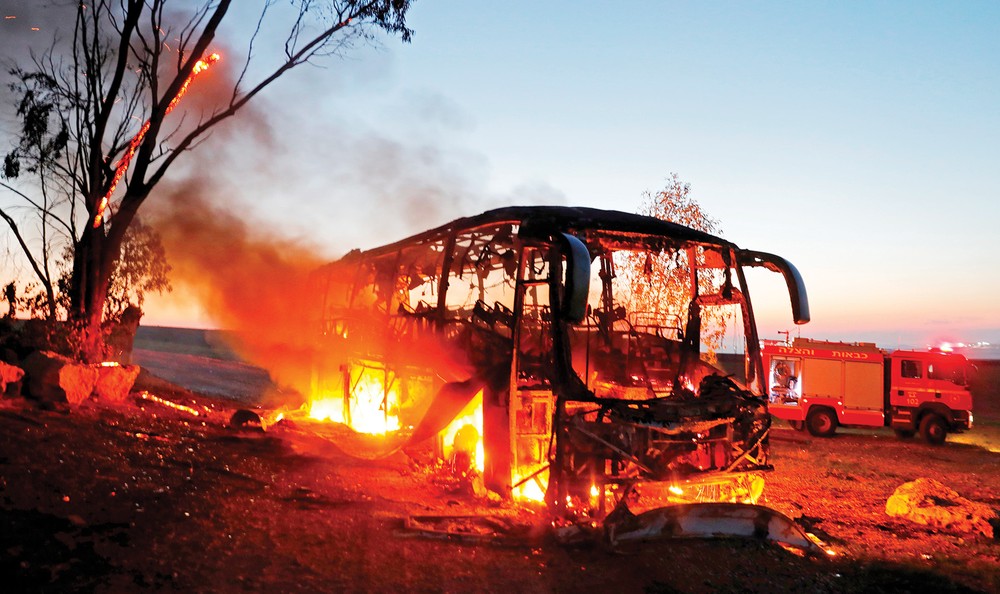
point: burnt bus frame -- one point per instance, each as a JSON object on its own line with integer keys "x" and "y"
{"x": 552, "y": 226}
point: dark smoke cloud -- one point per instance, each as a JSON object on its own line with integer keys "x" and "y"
{"x": 234, "y": 228}
{"x": 353, "y": 183}
{"x": 252, "y": 281}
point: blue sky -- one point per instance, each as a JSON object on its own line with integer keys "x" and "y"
{"x": 860, "y": 140}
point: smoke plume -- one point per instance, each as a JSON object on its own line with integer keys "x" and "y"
{"x": 252, "y": 281}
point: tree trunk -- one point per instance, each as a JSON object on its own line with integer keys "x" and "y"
{"x": 94, "y": 260}
{"x": 87, "y": 293}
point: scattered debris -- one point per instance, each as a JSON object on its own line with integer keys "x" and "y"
{"x": 929, "y": 502}
{"x": 496, "y": 529}
{"x": 709, "y": 520}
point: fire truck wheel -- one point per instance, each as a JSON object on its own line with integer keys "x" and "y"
{"x": 821, "y": 422}
{"x": 933, "y": 429}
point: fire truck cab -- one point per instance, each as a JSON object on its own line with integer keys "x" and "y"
{"x": 819, "y": 385}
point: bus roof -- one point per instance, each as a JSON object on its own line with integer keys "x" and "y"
{"x": 562, "y": 219}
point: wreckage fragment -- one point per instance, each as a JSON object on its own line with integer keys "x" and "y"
{"x": 709, "y": 520}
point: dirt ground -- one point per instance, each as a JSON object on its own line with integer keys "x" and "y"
{"x": 122, "y": 497}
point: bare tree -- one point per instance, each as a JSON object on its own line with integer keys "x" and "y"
{"x": 660, "y": 285}
{"x": 95, "y": 131}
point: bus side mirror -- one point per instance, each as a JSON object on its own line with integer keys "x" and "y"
{"x": 577, "y": 289}
{"x": 793, "y": 280}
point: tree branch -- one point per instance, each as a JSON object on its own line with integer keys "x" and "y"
{"x": 27, "y": 251}
{"x": 133, "y": 11}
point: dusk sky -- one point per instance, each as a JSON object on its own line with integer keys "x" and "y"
{"x": 860, "y": 140}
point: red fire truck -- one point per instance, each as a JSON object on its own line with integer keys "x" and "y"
{"x": 819, "y": 385}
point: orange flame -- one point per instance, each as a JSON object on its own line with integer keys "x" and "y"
{"x": 122, "y": 166}
{"x": 147, "y": 396}
{"x": 532, "y": 490}
{"x": 469, "y": 422}
{"x": 370, "y": 407}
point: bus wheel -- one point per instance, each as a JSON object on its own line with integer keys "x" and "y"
{"x": 904, "y": 433}
{"x": 797, "y": 425}
{"x": 933, "y": 429}
{"x": 821, "y": 422}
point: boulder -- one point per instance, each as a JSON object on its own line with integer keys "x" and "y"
{"x": 10, "y": 380}
{"x": 54, "y": 378}
{"x": 929, "y": 502}
{"x": 114, "y": 382}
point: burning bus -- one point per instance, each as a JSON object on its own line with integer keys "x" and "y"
{"x": 514, "y": 340}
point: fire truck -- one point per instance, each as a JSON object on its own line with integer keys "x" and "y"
{"x": 820, "y": 385}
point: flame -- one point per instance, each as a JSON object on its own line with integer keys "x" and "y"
{"x": 370, "y": 408}
{"x": 595, "y": 496}
{"x": 122, "y": 166}
{"x": 147, "y": 396}
{"x": 199, "y": 67}
{"x": 323, "y": 409}
{"x": 110, "y": 364}
{"x": 532, "y": 489}
{"x": 470, "y": 417}
{"x": 689, "y": 385}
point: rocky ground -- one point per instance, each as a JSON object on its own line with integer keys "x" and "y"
{"x": 139, "y": 495}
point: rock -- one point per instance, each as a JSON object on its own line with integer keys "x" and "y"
{"x": 114, "y": 382}
{"x": 927, "y": 501}
{"x": 246, "y": 419}
{"x": 10, "y": 380}
{"x": 54, "y": 378}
